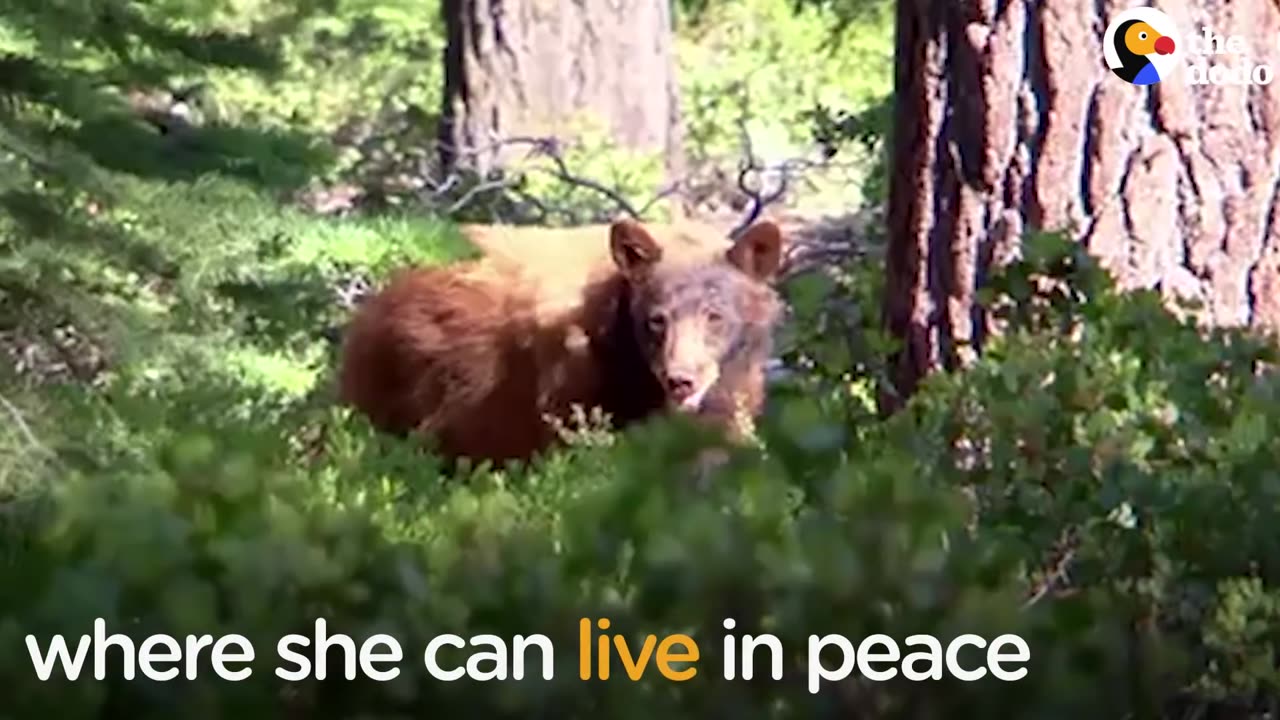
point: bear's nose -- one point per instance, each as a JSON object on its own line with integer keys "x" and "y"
{"x": 679, "y": 385}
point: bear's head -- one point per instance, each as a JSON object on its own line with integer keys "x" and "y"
{"x": 703, "y": 326}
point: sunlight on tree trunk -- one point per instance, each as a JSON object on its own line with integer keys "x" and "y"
{"x": 1009, "y": 120}
{"x": 535, "y": 68}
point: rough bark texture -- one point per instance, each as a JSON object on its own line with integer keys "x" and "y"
{"x": 1008, "y": 119}
{"x": 543, "y": 67}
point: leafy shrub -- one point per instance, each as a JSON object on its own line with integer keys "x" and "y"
{"x": 207, "y": 526}
{"x": 1117, "y": 446}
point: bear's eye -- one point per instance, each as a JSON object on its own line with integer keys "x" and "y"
{"x": 657, "y": 324}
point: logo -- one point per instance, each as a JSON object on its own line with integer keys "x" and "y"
{"x": 1141, "y": 46}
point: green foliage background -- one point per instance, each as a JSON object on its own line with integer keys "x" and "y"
{"x": 1103, "y": 482}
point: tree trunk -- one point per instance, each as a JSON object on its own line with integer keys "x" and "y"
{"x": 543, "y": 68}
{"x": 1008, "y": 120}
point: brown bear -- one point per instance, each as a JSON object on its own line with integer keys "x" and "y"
{"x": 481, "y": 356}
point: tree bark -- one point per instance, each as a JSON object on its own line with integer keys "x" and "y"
{"x": 1008, "y": 120}
{"x": 541, "y": 68}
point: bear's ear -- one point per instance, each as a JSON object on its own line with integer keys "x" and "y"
{"x": 758, "y": 251}
{"x": 634, "y": 249}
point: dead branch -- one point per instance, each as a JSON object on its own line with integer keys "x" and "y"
{"x": 475, "y": 191}
{"x": 746, "y": 166}
{"x": 1056, "y": 576}
{"x": 450, "y": 190}
{"x": 788, "y": 171}
{"x": 24, "y": 429}
{"x": 550, "y": 148}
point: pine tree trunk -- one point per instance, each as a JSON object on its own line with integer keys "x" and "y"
{"x": 539, "y": 68}
{"x": 1008, "y": 120}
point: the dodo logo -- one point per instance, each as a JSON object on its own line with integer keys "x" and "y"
{"x": 1141, "y": 46}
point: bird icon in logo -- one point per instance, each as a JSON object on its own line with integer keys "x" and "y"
{"x": 1135, "y": 41}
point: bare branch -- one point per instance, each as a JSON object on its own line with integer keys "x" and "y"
{"x": 549, "y": 148}
{"x": 1056, "y": 575}
{"x": 25, "y": 430}
{"x": 455, "y": 187}
{"x": 747, "y": 165}
{"x": 476, "y": 190}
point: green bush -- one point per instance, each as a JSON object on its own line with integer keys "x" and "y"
{"x": 209, "y": 527}
{"x": 1115, "y": 444}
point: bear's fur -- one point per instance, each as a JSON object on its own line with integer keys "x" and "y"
{"x": 479, "y": 355}
{"x": 557, "y": 263}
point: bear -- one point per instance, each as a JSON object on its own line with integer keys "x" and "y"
{"x": 484, "y": 357}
